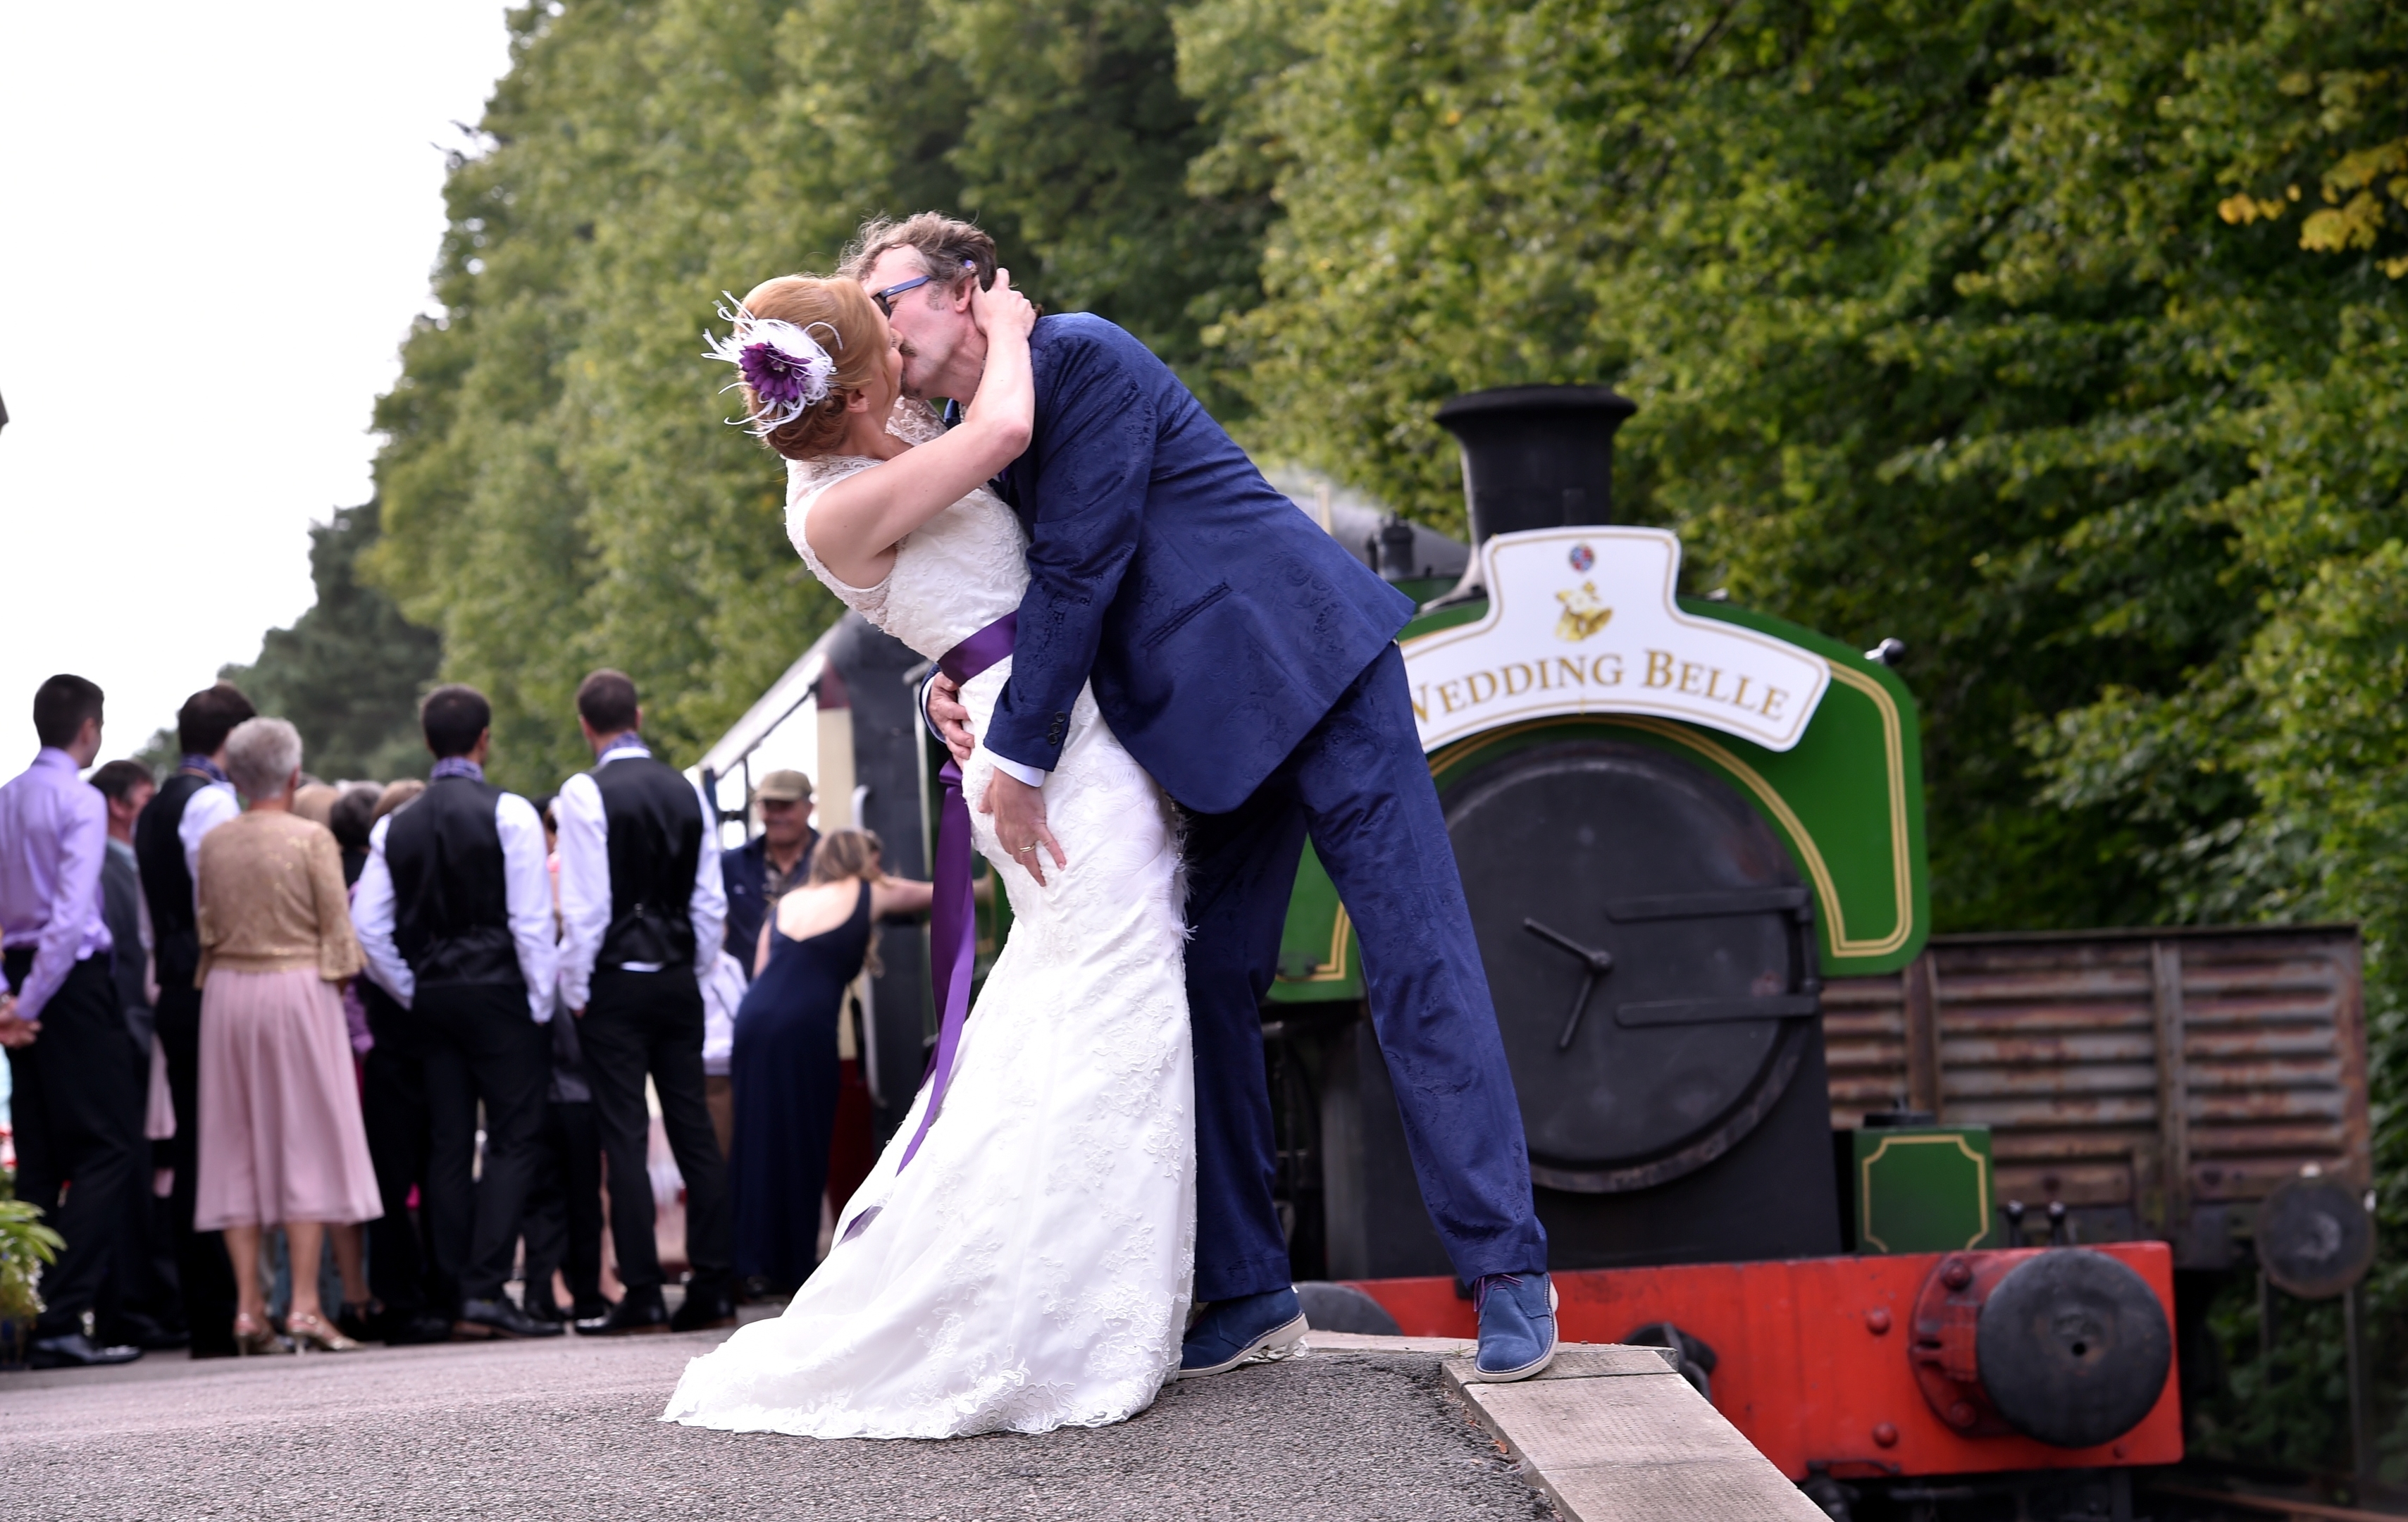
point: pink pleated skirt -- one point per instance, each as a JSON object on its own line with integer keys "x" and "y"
{"x": 280, "y": 1138}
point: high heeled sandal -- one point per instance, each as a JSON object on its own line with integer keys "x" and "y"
{"x": 311, "y": 1331}
{"x": 251, "y": 1337}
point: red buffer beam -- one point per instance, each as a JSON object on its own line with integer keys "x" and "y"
{"x": 1816, "y": 1358}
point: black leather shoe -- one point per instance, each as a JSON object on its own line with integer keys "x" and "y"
{"x": 545, "y": 1309}
{"x": 499, "y": 1318}
{"x": 760, "y": 1289}
{"x": 707, "y": 1306}
{"x": 75, "y": 1351}
{"x": 136, "y": 1330}
{"x": 642, "y": 1310}
{"x": 412, "y": 1328}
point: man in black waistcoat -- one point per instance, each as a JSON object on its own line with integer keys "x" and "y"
{"x": 454, "y": 912}
{"x": 404, "y": 1288}
{"x": 168, "y": 847}
{"x": 641, "y": 908}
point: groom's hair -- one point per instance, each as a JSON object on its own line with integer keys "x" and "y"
{"x": 949, "y": 248}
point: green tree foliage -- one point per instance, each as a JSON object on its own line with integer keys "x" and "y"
{"x": 1755, "y": 219}
{"x": 561, "y": 491}
{"x": 349, "y": 670}
{"x": 2061, "y": 341}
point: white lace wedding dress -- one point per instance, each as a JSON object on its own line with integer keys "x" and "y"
{"x": 1031, "y": 1269}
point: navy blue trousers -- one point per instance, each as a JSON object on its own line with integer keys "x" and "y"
{"x": 1359, "y": 786}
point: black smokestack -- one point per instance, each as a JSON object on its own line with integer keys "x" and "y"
{"x": 1536, "y": 456}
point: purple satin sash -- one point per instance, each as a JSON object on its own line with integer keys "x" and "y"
{"x": 953, "y": 912}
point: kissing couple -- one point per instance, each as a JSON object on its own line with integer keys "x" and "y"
{"x": 1157, "y": 678}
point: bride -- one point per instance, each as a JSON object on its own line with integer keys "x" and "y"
{"x": 1020, "y": 1258}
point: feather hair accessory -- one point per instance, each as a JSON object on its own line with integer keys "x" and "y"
{"x": 789, "y": 371}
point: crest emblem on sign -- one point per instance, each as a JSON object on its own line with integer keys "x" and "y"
{"x": 1583, "y": 557}
{"x": 1584, "y": 614}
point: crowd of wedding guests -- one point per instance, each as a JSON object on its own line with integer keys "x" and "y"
{"x": 302, "y": 1066}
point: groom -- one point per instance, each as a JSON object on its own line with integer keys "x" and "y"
{"x": 1250, "y": 664}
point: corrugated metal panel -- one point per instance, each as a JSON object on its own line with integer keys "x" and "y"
{"x": 2158, "y": 1083}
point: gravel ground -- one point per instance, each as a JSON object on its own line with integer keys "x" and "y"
{"x": 565, "y": 1430}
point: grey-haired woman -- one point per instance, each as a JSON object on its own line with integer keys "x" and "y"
{"x": 281, "y": 1139}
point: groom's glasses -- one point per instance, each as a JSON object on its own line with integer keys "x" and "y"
{"x": 885, "y": 299}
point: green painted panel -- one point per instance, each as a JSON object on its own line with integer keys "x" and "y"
{"x": 1921, "y": 1189}
{"x": 1847, "y": 801}
{"x": 1851, "y": 801}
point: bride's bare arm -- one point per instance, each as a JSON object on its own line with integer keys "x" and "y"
{"x": 855, "y": 525}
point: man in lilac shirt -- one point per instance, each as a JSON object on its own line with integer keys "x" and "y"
{"x": 76, "y": 1102}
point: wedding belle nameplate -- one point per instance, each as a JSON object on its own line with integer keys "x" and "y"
{"x": 1582, "y": 621}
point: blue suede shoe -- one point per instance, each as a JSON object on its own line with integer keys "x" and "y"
{"x": 1252, "y": 1329}
{"x": 1517, "y": 1326}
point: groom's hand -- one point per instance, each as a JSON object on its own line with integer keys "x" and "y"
{"x": 952, "y": 719}
{"x": 1019, "y": 812}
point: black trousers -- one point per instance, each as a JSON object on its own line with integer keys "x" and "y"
{"x": 651, "y": 1023}
{"x": 481, "y": 1047}
{"x": 393, "y": 1108}
{"x": 77, "y": 1116}
{"x": 563, "y": 1213}
{"x": 142, "y": 1299}
{"x": 202, "y": 1269}
{"x": 141, "y": 1302}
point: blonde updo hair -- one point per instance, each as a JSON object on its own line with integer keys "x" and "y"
{"x": 858, "y": 349}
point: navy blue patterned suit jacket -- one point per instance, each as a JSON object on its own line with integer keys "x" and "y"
{"x": 1216, "y": 620}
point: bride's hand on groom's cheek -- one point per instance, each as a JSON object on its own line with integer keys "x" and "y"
{"x": 999, "y": 306}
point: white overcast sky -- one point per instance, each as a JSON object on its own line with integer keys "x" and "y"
{"x": 216, "y": 223}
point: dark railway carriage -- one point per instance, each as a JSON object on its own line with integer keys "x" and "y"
{"x": 2157, "y": 1083}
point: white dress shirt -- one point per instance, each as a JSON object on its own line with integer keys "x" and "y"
{"x": 526, "y": 888}
{"x": 586, "y": 881}
{"x": 204, "y": 812}
{"x": 1010, "y": 767}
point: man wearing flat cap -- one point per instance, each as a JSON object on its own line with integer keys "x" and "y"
{"x": 779, "y": 859}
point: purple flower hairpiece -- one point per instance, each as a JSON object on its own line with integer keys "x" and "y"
{"x": 787, "y": 370}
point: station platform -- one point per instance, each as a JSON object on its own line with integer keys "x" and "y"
{"x": 1360, "y": 1429}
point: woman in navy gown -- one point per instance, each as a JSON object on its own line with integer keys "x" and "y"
{"x": 815, "y": 942}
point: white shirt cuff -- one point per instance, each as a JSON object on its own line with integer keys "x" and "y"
{"x": 1028, "y": 774}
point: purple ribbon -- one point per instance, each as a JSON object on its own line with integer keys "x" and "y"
{"x": 953, "y": 912}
